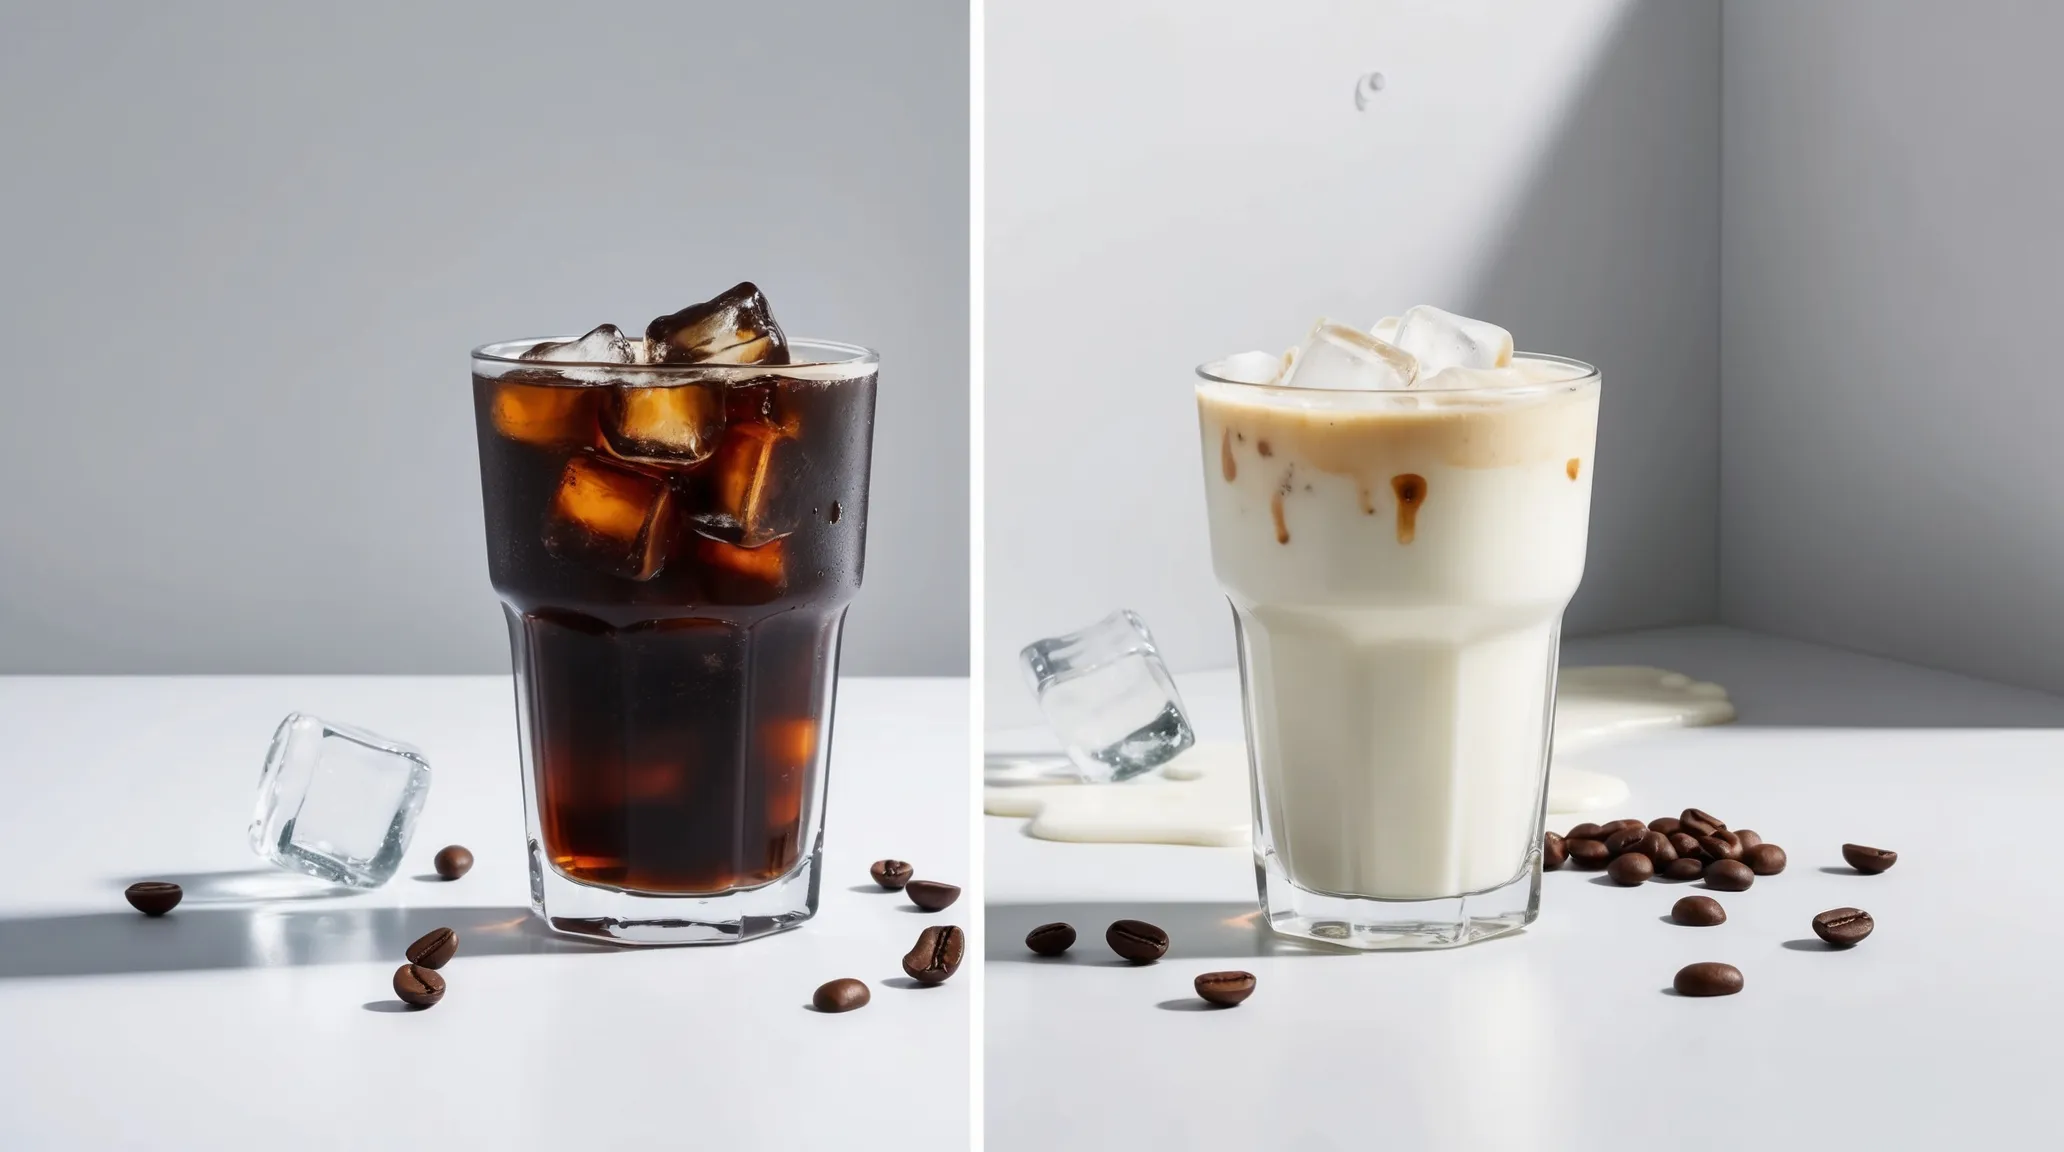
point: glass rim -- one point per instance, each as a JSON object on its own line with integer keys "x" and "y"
{"x": 823, "y": 354}
{"x": 1587, "y": 374}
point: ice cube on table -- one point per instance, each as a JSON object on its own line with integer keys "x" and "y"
{"x": 609, "y": 516}
{"x": 752, "y": 496}
{"x": 737, "y": 327}
{"x": 1108, "y": 697}
{"x": 1250, "y": 367}
{"x": 675, "y": 424}
{"x": 338, "y": 802}
{"x": 1440, "y": 339}
{"x": 545, "y": 415}
{"x": 1338, "y": 357}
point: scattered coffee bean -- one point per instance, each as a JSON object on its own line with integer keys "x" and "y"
{"x": 1630, "y": 870}
{"x": 1552, "y": 852}
{"x": 1590, "y": 855}
{"x": 1664, "y": 824}
{"x": 1585, "y": 831}
{"x": 1656, "y": 847}
{"x": 1764, "y": 859}
{"x": 1628, "y": 822}
{"x": 418, "y": 985}
{"x": 1869, "y": 861}
{"x": 1700, "y": 823}
{"x": 1624, "y": 839}
{"x": 842, "y": 995}
{"x": 153, "y": 897}
{"x": 1698, "y": 912}
{"x": 1685, "y": 843}
{"x": 1227, "y": 988}
{"x": 435, "y": 949}
{"x": 931, "y": 895}
{"x": 1708, "y": 979}
{"x": 1747, "y": 838}
{"x": 890, "y": 874}
{"x": 1714, "y": 848}
{"x": 1729, "y": 876}
{"x": 1136, "y": 940}
{"x": 936, "y": 955}
{"x": 453, "y": 861}
{"x": 1051, "y": 939}
{"x": 1843, "y": 927}
{"x": 1684, "y": 868}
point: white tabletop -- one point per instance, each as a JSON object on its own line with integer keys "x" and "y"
{"x": 240, "y": 1023}
{"x": 1939, "y": 1031}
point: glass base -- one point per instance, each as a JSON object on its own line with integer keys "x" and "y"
{"x": 616, "y": 916}
{"x": 1397, "y": 925}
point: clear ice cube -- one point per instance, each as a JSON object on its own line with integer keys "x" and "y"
{"x": 1251, "y": 367}
{"x": 1440, "y": 339}
{"x": 1386, "y": 329}
{"x": 753, "y": 497}
{"x": 1339, "y": 357}
{"x": 1106, "y": 694}
{"x": 609, "y": 516}
{"x": 737, "y": 327}
{"x": 338, "y": 802}
{"x": 604, "y": 345}
{"x": 545, "y": 415}
{"x": 676, "y": 424}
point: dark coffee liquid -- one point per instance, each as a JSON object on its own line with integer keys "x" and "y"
{"x": 675, "y": 613}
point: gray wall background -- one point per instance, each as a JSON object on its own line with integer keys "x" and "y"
{"x": 1892, "y": 400}
{"x": 1195, "y": 180}
{"x": 244, "y": 250}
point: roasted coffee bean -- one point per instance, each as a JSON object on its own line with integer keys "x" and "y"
{"x": 1700, "y": 823}
{"x": 1630, "y": 870}
{"x": 1626, "y": 822}
{"x": 1552, "y": 852}
{"x": 1227, "y": 988}
{"x": 1656, "y": 847}
{"x": 1585, "y": 831}
{"x": 1843, "y": 927}
{"x": 1685, "y": 843}
{"x": 1764, "y": 859}
{"x": 936, "y": 955}
{"x": 1624, "y": 839}
{"x": 1051, "y": 939}
{"x": 1869, "y": 861}
{"x": 435, "y": 949}
{"x": 1748, "y": 838}
{"x": 1698, "y": 912}
{"x": 841, "y": 995}
{"x": 1729, "y": 876}
{"x": 1684, "y": 868}
{"x": 418, "y": 985}
{"x": 453, "y": 861}
{"x": 1136, "y": 940}
{"x": 153, "y": 897}
{"x": 1590, "y": 855}
{"x": 931, "y": 895}
{"x": 1708, "y": 979}
{"x": 1664, "y": 824}
{"x": 890, "y": 874}
{"x": 1714, "y": 848}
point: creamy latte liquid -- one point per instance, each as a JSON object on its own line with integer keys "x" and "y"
{"x": 1398, "y": 564}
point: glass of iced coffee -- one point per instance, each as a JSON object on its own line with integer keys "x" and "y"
{"x": 675, "y": 524}
{"x": 1398, "y": 518}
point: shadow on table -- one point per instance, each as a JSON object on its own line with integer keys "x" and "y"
{"x": 245, "y": 884}
{"x": 1200, "y": 931}
{"x": 200, "y": 938}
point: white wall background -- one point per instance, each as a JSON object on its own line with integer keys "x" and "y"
{"x": 1894, "y": 409}
{"x": 245, "y": 248}
{"x": 1194, "y": 179}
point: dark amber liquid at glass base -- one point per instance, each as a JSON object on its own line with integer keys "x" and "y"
{"x": 676, "y": 728}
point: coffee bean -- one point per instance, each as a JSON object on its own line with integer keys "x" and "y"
{"x": 1051, "y": 939}
{"x": 1227, "y": 988}
{"x": 936, "y": 955}
{"x": 1684, "y": 868}
{"x": 1708, "y": 979}
{"x": 1585, "y": 831}
{"x": 1685, "y": 843}
{"x": 1552, "y": 852}
{"x": 890, "y": 874}
{"x": 842, "y": 995}
{"x": 1136, "y": 940}
{"x": 1764, "y": 859}
{"x": 1656, "y": 847}
{"x": 1626, "y": 822}
{"x": 1714, "y": 848}
{"x": 153, "y": 897}
{"x": 435, "y": 949}
{"x": 1843, "y": 927}
{"x": 1729, "y": 876}
{"x": 1590, "y": 855}
{"x": 1624, "y": 839}
{"x": 1869, "y": 861}
{"x": 1700, "y": 823}
{"x": 1698, "y": 912}
{"x": 931, "y": 895}
{"x": 453, "y": 861}
{"x": 418, "y": 985}
{"x": 1631, "y": 870}
{"x": 1748, "y": 838}
{"x": 1664, "y": 824}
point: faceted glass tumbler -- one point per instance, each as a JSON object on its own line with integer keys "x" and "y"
{"x": 1106, "y": 694}
{"x": 338, "y": 802}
